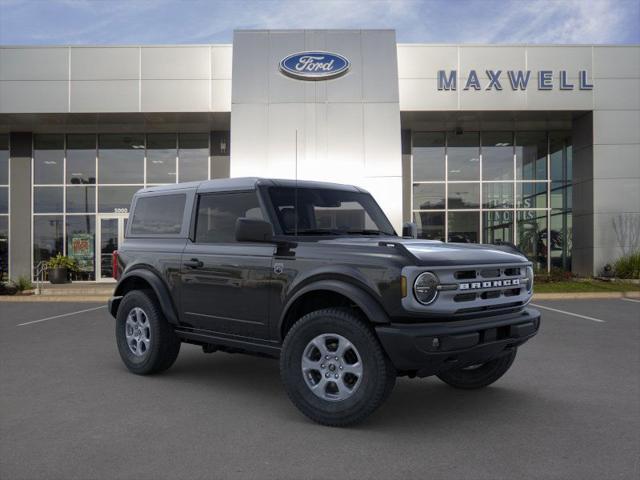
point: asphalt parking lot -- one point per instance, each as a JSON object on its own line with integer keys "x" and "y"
{"x": 568, "y": 409}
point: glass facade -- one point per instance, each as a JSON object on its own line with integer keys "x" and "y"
{"x": 495, "y": 186}
{"x": 4, "y": 206}
{"x": 82, "y": 183}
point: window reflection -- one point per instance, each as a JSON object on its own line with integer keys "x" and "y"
{"x": 497, "y": 195}
{"x": 111, "y": 199}
{"x": 121, "y": 159}
{"x": 47, "y": 237}
{"x": 4, "y": 200}
{"x": 430, "y": 225}
{"x": 532, "y": 236}
{"x": 47, "y": 200}
{"x": 464, "y": 227}
{"x": 81, "y": 199}
{"x": 161, "y": 158}
{"x": 463, "y": 156}
{"x": 497, "y": 155}
{"x": 81, "y": 159}
{"x": 561, "y": 239}
{"x": 428, "y": 196}
{"x": 4, "y": 247}
{"x": 428, "y": 157}
{"x": 513, "y": 199}
{"x": 531, "y": 155}
{"x": 464, "y": 195}
{"x": 193, "y": 156}
{"x": 48, "y": 159}
{"x": 531, "y": 195}
{"x": 4, "y": 159}
{"x": 498, "y": 226}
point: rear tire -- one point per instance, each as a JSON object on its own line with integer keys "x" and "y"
{"x": 146, "y": 342}
{"x": 479, "y": 376}
{"x": 334, "y": 369}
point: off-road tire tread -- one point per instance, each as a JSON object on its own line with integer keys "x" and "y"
{"x": 165, "y": 347}
{"x": 484, "y": 376}
{"x": 385, "y": 370}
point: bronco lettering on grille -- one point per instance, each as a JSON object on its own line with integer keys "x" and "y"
{"x": 491, "y": 284}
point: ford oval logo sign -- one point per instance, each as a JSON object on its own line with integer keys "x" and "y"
{"x": 314, "y": 65}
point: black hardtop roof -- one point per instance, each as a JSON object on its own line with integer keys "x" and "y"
{"x": 245, "y": 183}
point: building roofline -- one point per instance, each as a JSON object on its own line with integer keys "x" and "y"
{"x": 399, "y": 44}
{"x": 102, "y": 45}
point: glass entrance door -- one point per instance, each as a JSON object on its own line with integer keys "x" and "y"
{"x": 110, "y": 235}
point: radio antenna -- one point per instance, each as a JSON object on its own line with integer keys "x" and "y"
{"x": 295, "y": 191}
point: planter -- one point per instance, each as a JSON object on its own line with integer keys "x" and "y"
{"x": 59, "y": 275}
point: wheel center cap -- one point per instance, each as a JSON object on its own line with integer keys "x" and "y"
{"x": 332, "y": 367}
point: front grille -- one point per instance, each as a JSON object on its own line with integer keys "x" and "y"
{"x": 481, "y": 290}
{"x": 465, "y": 275}
{"x": 490, "y": 273}
{"x": 489, "y": 308}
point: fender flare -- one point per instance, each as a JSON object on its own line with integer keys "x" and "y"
{"x": 365, "y": 301}
{"x": 157, "y": 285}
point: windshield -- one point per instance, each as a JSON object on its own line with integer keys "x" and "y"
{"x": 324, "y": 211}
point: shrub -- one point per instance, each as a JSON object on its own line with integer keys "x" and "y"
{"x": 23, "y": 283}
{"x": 628, "y": 266}
{"x": 62, "y": 261}
{"x": 555, "y": 275}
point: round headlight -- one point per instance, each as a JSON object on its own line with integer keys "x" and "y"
{"x": 529, "y": 279}
{"x": 425, "y": 288}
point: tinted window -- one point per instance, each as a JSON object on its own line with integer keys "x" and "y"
{"x": 217, "y": 215}
{"x": 121, "y": 159}
{"x": 48, "y": 159}
{"x": 161, "y": 158}
{"x": 428, "y": 156}
{"x": 112, "y": 199}
{"x": 319, "y": 211}
{"x": 4, "y": 159}
{"x": 81, "y": 159}
{"x": 463, "y": 153}
{"x": 159, "y": 215}
{"x": 193, "y": 156}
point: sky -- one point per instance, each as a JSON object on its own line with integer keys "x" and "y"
{"x": 121, "y": 22}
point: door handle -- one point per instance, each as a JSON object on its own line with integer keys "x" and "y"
{"x": 193, "y": 263}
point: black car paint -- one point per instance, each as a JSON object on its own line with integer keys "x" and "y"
{"x": 238, "y": 295}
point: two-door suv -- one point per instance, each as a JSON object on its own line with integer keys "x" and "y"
{"x": 314, "y": 273}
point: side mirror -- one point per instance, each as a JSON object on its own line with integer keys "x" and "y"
{"x": 252, "y": 230}
{"x": 410, "y": 230}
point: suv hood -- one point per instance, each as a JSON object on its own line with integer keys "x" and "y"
{"x": 436, "y": 253}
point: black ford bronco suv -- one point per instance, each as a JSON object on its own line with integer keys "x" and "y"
{"x": 314, "y": 273}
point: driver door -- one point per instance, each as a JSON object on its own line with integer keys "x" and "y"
{"x": 225, "y": 284}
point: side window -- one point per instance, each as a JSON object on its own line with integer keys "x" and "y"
{"x": 158, "y": 215}
{"x": 218, "y": 212}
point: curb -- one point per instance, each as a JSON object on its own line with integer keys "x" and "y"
{"x": 54, "y": 298}
{"x": 584, "y": 295}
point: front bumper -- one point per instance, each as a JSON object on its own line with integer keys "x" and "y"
{"x": 429, "y": 348}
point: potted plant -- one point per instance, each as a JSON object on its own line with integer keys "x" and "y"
{"x": 59, "y": 268}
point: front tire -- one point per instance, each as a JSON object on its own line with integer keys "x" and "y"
{"x": 479, "y": 376}
{"x": 334, "y": 369}
{"x": 146, "y": 342}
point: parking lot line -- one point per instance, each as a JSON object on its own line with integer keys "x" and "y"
{"x": 630, "y": 300}
{"x": 60, "y": 316}
{"x": 568, "y": 313}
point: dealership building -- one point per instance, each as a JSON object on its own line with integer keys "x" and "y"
{"x": 538, "y": 145}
